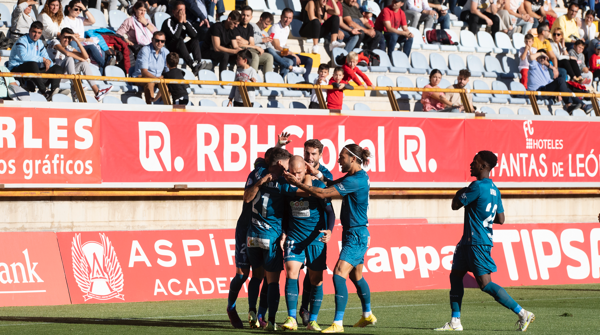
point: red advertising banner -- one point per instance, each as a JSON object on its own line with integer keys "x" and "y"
{"x": 47, "y": 146}
{"x": 31, "y": 271}
{"x": 128, "y": 266}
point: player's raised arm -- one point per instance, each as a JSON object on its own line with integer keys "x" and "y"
{"x": 250, "y": 193}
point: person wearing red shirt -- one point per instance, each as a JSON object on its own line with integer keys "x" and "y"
{"x": 335, "y": 97}
{"x": 392, "y": 23}
{"x": 595, "y": 62}
{"x": 351, "y": 72}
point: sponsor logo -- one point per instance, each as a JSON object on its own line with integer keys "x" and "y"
{"x": 155, "y": 147}
{"x": 412, "y": 147}
{"x": 96, "y": 269}
{"x": 539, "y": 143}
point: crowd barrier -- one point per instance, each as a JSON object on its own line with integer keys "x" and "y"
{"x": 77, "y": 84}
{"x": 130, "y": 266}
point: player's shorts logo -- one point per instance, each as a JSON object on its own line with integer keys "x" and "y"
{"x": 96, "y": 269}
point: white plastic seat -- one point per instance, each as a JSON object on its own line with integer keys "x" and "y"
{"x": 400, "y": 60}
{"x": 90, "y": 99}
{"x": 211, "y": 76}
{"x": 486, "y": 43}
{"x": 523, "y": 111}
{"x": 474, "y": 65}
{"x": 406, "y": 82}
{"x": 455, "y": 38}
{"x": 467, "y": 41}
{"x": 100, "y": 19}
{"x": 159, "y": 19}
{"x": 503, "y": 42}
{"x": 481, "y": 97}
{"x": 361, "y": 107}
{"x": 116, "y": 19}
{"x": 115, "y": 71}
{"x": 135, "y": 101}
{"x": 419, "y": 42}
{"x": 112, "y": 100}
{"x": 37, "y": 97}
{"x": 61, "y": 98}
{"x": 419, "y": 63}
{"x": 487, "y": 110}
{"x": 275, "y": 78}
{"x": 518, "y": 41}
{"x": 508, "y": 111}
{"x": 579, "y": 112}
{"x": 336, "y": 52}
{"x": 385, "y": 81}
{"x": 437, "y": 61}
{"x": 207, "y": 103}
{"x": 345, "y": 107}
{"x": 561, "y": 112}
{"x": 274, "y": 104}
{"x": 297, "y": 105}
{"x": 455, "y": 64}
{"x": 5, "y": 16}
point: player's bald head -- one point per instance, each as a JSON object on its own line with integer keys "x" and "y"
{"x": 297, "y": 162}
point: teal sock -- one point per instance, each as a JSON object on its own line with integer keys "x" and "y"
{"x": 502, "y": 297}
{"x": 341, "y": 297}
{"x": 291, "y": 296}
{"x": 457, "y": 290}
{"x": 364, "y": 294}
{"x": 316, "y": 298}
{"x": 273, "y": 297}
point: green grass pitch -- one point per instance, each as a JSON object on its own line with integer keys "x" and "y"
{"x": 567, "y": 309}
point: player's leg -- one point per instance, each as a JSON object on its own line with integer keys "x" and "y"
{"x": 364, "y": 294}
{"x": 263, "y": 306}
{"x": 253, "y": 292}
{"x": 306, "y": 299}
{"x": 241, "y": 274}
{"x": 273, "y": 268}
{"x": 460, "y": 266}
{"x": 316, "y": 262}
{"x": 291, "y": 293}
{"x": 256, "y": 258}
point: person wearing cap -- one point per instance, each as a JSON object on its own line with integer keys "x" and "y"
{"x": 540, "y": 80}
{"x": 442, "y": 11}
{"x": 353, "y": 18}
{"x": 418, "y": 11}
{"x": 392, "y": 23}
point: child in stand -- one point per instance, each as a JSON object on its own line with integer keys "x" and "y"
{"x": 524, "y": 53}
{"x": 335, "y": 98}
{"x": 577, "y": 53}
{"x": 367, "y": 18}
{"x": 595, "y": 62}
{"x": 321, "y": 80}
{"x": 179, "y": 94}
{"x": 244, "y": 72}
{"x": 351, "y": 72}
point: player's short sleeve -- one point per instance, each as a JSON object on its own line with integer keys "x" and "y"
{"x": 252, "y": 179}
{"x": 326, "y": 173}
{"x": 347, "y": 185}
{"x": 470, "y": 195}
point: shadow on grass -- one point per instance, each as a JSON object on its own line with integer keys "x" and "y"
{"x": 217, "y": 325}
{"x": 556, "y": 289}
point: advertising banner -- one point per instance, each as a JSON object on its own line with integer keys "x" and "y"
{"x": 128, "y": 266}
{"x": 49, "y": 146}
{"x": 31, "y": 271}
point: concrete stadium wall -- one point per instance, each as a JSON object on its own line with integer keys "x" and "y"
{"x": 90, "y": 214}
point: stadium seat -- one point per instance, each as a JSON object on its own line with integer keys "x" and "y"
{"x": 294, "y": 5}
{"x": 517, "y": 86}
{"x": 510, "y": 66}
{"x": 257, "y": 105}
{"x": 313, "y": 76}
{"x": 507, "y": 111}
{"x": 345, "y": 107}
{"x": 295, "y": 29}
{"x": 384, "y": 63}
{"x": 518, "y": 41}
{"x": 275, "y": 78}
{"x": 488, "y": 110}
{"x": 486, "y": 43}
{"x": 422, "y": 82}
{"x": 211, "y": 76}
{"x": 467, "y": 41}
{"x": 455, "y": 38}
{"x": 399, "y": 59}
{"x": 159, "y": 18}
{"x": 493, "y": 68}
{"x": 116, "y": 19}
{"x": 135, "y": 101}
{"x": 437, "y": 61}
{"x": 4, "y": 53}
{"x": 456, "y": 63}
{"x": 444, "y": 83}
{"x": 111, "y": 100}
{"x": 419, "y": 42}
{"x": 335, "y": 53}
{"x": 481, "y": 97}
{"x": 5, "y": 16}
{"x": 405, "y": 82}
{"x": 523, "y": 111}
{"x": 224, "y": 103}
{"x": 373, "y": 6}
{"x": 207, "y": 103}
{"x": 503, "y": 42}
{"x": 61, "y": 98}
{"x": 274, "y": 104}
{"x": 90, "y": 99}
{"x": 385, "y": 81}
{"x": 100, "y": 19}
{"x": 503, "y": 98}
{"x": 115, "y": 71}
{"x": 419, "y": 63}
{"x": 545, "y": 112}
{"x": 474, "y": 65}
{"x": 297, "y": 105}
{"x": 561, "y": 112}
{"x": 275, "y": 6}
{"x": 37, "y": 97}
{"x": 293, "y": 78}
{"x": 188, "y": 75}
{"x": 579, "y": 112}
{"x": 361, "y": 107}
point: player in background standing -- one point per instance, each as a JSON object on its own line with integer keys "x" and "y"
{"x": 483, "y": 208}
{"x": 305, "y": 238}
{"x": 354, "y": 188}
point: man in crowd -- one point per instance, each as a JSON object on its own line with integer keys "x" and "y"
{"x": 568, "y": 24}
{"x": 30, "y": 55}
{"x": 221, "y": 45}
{"x": 418, "y": 11}
{"x": 245, "y": 39}
{"x": 151, "y": 63}
{"x": 392, "y": 23}
{"x": 262, "y": 40}
{"x": 281, "y": 33}
{"x": 542, "y": 41}
{"x": 442, "y": 11}
{"x": 367, "y": 34}
{"x": 461, "y": 82}
{"x": 176, "y": 29}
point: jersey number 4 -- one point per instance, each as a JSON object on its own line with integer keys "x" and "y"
{"x": 265, "y": 203}
{"x": 489, "y": 221}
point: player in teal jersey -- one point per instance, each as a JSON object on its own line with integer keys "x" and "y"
{"x": 483, "y": 208}
{"x": 305, "y": 239}
{"x": 354, "y": 189}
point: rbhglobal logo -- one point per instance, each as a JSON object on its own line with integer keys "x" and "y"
{"x": 412, "y": 150}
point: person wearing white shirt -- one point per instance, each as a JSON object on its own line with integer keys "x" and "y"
{"x": 418, "y": 11}
{"x": 51, "y": 17}
{"x": 281, "y": 33}
{"x": 77, "y": 24}
{"x": 21, "y": 21}
{"x": 590, "y": 34}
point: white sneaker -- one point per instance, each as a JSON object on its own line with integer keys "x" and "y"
{"x": 336, "y": 44}
{"x": 525, "y": 321}
{"x": 298, "y": 70}
{"x": 315, "y": 49}
{"x": 450, "y": 326}
{"x": 103, "y": 92}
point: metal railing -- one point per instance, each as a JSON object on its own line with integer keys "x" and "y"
{"x": 77, "y": 85}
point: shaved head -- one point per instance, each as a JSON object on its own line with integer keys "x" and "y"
{"x": 298, "y": 167}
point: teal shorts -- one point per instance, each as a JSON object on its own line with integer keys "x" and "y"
{"x": 354, "y": 245}
{"x": 265, "y": 252}
{"x": 474, "y": 258}
{"x": 315, "y": 254}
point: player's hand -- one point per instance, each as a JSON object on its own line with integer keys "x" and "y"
{"x": 311, "y": 169}
{"x": 327, "y": 235}
{"x": 265, "y": 179}
{"x": 369, "y": 241}
{"x": 283, "y": 139}
{"x": 282, "y": 241}
{"x": 290, "y": 178}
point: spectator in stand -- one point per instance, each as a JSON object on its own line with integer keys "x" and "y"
{"x": 153, "y": 7}
{"x": 524, "y": 54}
{"x": 478, "y": 12}
{"x": 21, "y": 21}
{"x": 51, "y": 17}
{"x": 245, "y": 39}
{"x": 344, "y": 29}
{"x": 281, "y": 33}
{"x": 335, "y": 97}
{"x": 210, "y": 4}
{"x": 392, "y": 23}
{"x": 137, "y": 30}
{"x": 244, "y": 72}
{"x": 514, "y": 14}
{"x": 590, "y": 33}
{"x": 176, "y": 29}
{"x": 320, "y": 80}
{"x": 351, "y": 71}
{"x": 568, "y": 24}
{"x": 595, "y": 62}
{"x": 76, "y": 23}
{"x": 222, "y": 45}
{"x": 542, "y": 41}
{"x": 72, "y": 61}
{"x": 442, "y": 13}
{"x": 264, "y": 42}
{"x": 353, "y": 19}
{"x": 551, "y": 15}
{"x": 351, "y": 35}
{"x": 461, "y": 82}
{"x": 418, "y": 11}
{"x": 196, "y": 11}
{"x": 314, "y": 26}
{"x": 29, "y": 55}
{"x": 535, "y": 9}
{"x": 436, "y": 101}
{"x": 151, "y": 63}
{"x": 114, "y": 4}
{"x": 564, "y": 60}
{"x": 179, "y": 94}
{"x": 579, "y": 56}
{"x": 540, "y": 80}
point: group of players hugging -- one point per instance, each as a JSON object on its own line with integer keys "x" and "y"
{"x": 287, "y": 218}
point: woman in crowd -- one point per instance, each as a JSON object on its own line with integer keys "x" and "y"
{"x": 77, "y": 23}
{"x": 562, "y": 54}
{"x": 52, "y": 17}
{"x": 435, "y": 101}
{"x": 137, "y": 30}
{"x": 315, "y": 27}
